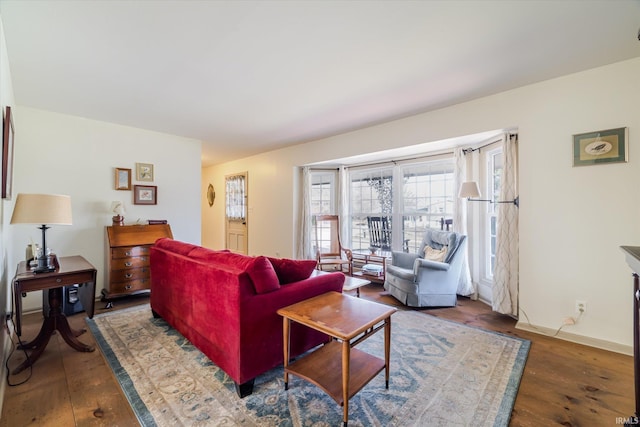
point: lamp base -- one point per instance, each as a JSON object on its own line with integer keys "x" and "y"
{"x": 45, "y": 269}
{"x": 43, "y": 266}
{"x": 118, "y": 220}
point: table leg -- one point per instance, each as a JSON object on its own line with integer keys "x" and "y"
{"x": 346, "y": 360}
{"x": 17, "y": 296}
{"x": 56, "y": 320}
{"x": 387, "y": 350}
{"x": 286, "y": 323}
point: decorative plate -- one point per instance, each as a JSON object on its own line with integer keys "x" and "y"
{"x": 211, "y": 195}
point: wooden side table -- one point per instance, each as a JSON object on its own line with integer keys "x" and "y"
{"x": 361, "y": 259}
{"x": 69, "y": 271}
{"x": 339, "y": 369}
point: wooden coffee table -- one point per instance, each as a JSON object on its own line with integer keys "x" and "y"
{"x": 337, "y": 367}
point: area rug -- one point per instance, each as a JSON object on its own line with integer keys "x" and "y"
{"x": 442, "y": 374}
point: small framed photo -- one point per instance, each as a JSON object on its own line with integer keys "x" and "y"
{"x": 144, "y": 172}
{"x": 123, "y": 179}
{"x": 603, "y": 146}
{"x": 145, "y": 195}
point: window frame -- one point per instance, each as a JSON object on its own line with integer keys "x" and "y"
{"x": 490, "y": 212}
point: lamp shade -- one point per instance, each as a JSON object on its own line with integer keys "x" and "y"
{"x": 42, "y": 209}
{"x": 469, "y": 189}
{"x": 118, "y": 208}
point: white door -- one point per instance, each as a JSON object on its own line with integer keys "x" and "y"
{"x": 236, "y": 198}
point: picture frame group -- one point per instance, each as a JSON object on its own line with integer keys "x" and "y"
{"x": 142, "y": 194}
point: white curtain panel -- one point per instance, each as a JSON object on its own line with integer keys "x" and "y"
{"x": 343, "y": 206}
{"x": 465, "y": 285}
{"x": 305, "y": 247}
{"x": 506, "y": 273}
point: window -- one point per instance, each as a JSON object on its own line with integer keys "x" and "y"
{"x": 323, "y": 190}
{"x": 428, "y": 197}
{"x": 410, "y": 196}
{"x": 494, "y": 173}
{"x": 371, "y": 195}
{"x": 235, "y": 193}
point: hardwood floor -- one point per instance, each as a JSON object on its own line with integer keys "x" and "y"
{"x": 563, "y": 384}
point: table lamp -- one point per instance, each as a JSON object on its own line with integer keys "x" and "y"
{"x": 42, "y": 209}
{"x": 118, "y": 209}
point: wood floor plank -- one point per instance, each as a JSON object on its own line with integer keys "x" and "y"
{"x": 564, "y": 384}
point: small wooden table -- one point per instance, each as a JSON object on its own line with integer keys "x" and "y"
{"x": 339, "y": 369}
{"x": 69, "y": 271}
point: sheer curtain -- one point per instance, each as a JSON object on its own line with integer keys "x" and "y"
{"x": 465, "y": 285}
{"x": 506, "y": 273}
{"x": 305, "y": 247}
{"x": 343, "y": 206}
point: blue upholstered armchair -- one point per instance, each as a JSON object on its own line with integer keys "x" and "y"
{"x": 419, "y": 280}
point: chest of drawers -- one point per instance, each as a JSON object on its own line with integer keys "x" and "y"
{"x": 127, "y": 258}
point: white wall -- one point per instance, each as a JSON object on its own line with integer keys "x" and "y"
{"x": 6, "y": 98}
{"x": 60, "y": 154}
{"x": 572, "y": 220}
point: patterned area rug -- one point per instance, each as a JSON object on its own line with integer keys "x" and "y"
{"x": 442, "y": 374}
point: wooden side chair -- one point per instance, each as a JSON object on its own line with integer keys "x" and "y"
{"x": 329, "y": 251}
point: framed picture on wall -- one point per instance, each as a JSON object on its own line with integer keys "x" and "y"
{"x": 123, "y": 179}
{"x": 145, "y": 195}
{"x": 603, "y": 146}
{"x": 7, "y": 153}
{"x": 144, "y": 172}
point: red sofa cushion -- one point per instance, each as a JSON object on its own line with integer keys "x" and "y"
{"x": 292, "y": 270}
{"x": 263, "y": 275}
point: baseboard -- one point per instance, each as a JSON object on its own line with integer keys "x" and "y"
{"x": 6, "y": 351}
{"x": 578, "y": 339}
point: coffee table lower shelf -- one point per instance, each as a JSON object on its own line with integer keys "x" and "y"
{"x": 323, "y": 367}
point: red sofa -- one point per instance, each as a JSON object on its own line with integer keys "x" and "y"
{"x": 225, "y": 304}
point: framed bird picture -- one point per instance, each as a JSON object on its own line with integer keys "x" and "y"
{"x": 603, "y": 146}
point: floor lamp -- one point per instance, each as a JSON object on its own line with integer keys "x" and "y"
{"x": 42, "y": 209}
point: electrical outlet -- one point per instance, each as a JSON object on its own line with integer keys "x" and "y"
{"x": 581, "y": 306}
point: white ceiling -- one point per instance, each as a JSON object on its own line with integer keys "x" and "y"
{"x": 249, "y": 76}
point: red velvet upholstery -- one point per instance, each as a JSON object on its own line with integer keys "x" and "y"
{"x": 211, "y": 298}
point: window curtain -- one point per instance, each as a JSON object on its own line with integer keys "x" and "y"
{"x": 235, "y": 203}
{"x": 343, "y": 206}
{"x": 506, "y": 273}
{"x": 305, "y": 246}
{"x": 465, "y": 285}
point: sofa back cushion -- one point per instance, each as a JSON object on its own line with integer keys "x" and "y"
{"x": 292, "y": 270}
{"x": 263, "y": 275}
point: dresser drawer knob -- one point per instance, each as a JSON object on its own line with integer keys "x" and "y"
{"x": 128, "y": 253}
{"x": 128, "y": 264}
{"x": 128, "y": 287}
{"x": 128, "y": 275}
{"x": 58, "y": 280}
